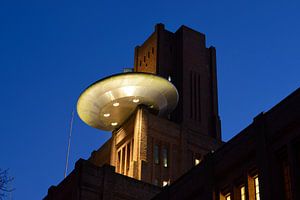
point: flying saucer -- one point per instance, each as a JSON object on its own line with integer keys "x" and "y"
{"x": 107, "y": 103}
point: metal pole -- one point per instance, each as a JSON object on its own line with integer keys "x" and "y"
{"x": 69, "y": 144}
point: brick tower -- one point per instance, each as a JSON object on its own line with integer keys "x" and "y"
{"x": 183, "y": 58}
{"x": 155, "y": 149}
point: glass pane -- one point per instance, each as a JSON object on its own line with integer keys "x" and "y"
{"x": 156, "y": 154}
{"x": 165, "y": 157}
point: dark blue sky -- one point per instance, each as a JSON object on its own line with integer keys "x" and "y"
{"x": 51, "y": 50}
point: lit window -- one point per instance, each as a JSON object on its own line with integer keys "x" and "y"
{"x": 197, "y": 161}
{"x": 165, "y": 183}
{"x": 243, "y": 193}
{"x": 156, "y": 154}
{"x": 169, "y": 78}
{"x": 256, "y": 187}
{"x": 165, "y": 156}
{"x": 228, "y": 197}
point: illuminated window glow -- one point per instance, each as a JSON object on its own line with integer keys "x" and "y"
{"x": 165, "y": 183}
{"x": 165, "y": 157}
{"x": 228, "y": 197}
{"x": 243, "y": 193}
{"x": 256, "y": 187}
{"x": 197, "y": 161}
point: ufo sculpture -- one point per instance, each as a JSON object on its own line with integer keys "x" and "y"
{"x": 107, "y": 103}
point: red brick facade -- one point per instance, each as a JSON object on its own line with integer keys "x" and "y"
{"x": 266, "y": 152}
{"x": 189, "y": 132}
{"x": 261, "y": 162}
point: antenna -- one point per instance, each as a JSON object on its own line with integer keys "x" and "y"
{"x": 69, "y": 144}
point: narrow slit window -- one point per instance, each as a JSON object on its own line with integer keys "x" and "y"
{"x": 165, "y": 183}
{"x": 287, "y": 181}
{"x": 243, "y": 193}
{"x": 197, "y": 161}
{"x": 128, "y": 157}
{"x": 119, "y": 162}
{"x": 256, "y": 188}
{"x": 228, "y": 197}
{"x": 191, "y": 93}
{"x": 123, "y": 161}
{"x": 165, "y": 156}
{"x": 156, "y": 154}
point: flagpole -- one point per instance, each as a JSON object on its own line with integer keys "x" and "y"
{"x": 69, "y": 144}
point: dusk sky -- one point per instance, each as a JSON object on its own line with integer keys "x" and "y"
{"x": 50, "y": 51}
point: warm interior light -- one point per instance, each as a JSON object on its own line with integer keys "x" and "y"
{"x": 197, "y": 161}
{"x": 114, "y": 123}
{"x": 106, "y": 114}
{"x": 165, "y": 183}
{"x": 135, "y": 100}
{"x": 116, "y": 104}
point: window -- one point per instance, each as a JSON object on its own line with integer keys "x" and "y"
{"x": 152, "y": 50}
{"x": 155, "y": 182}
{"x": 228, "y": 197}
{"x": 119, "y": 162}
{"x": 243, "y": 193}
{"x": 256, "y": 188}
{"x": 287, "y": 180}
{"x": 156, "y": 154}
{"x": 128, "y": 158}
{"x": 123, "y": 160}
{"x": 144, "y": 58}
{"x": 165, "y": 183}
{"x": 165, "y": 157}
{"x": 148, "y": 54}
{"x": 169, "y": 78}
{"x": 197, "y": 161}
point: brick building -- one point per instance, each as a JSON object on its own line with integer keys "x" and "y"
{"x": 148, "y": 151}
{"x": 158, "y": 150}
{"x": 261, "y": 162}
